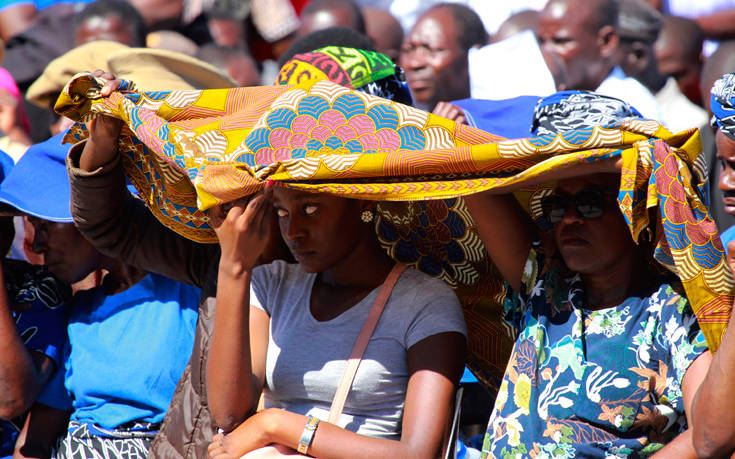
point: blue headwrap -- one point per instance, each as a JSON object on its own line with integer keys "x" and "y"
{"x": 569, "y": 110}
{"x": 723, "y": 104}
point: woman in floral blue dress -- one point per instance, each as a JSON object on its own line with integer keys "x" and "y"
{"x": 609, "y": 354}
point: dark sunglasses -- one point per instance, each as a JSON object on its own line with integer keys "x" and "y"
{"x": 587, "y": 203}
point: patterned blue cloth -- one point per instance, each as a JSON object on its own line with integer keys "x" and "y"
{"x": 39, "y": 302}
{"x": 570, "y": 110}
{"x": 584, "y": 383}
{"x": 722, "y": 103}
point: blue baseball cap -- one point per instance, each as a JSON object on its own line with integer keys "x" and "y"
{"x": 38, "y": 185}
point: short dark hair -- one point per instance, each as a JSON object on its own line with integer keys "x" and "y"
{"x": 332, "y": 36}
{"x": 605, "y": 12}
{"x": 469, "y": 25}
{"x": 318, "y": 5}
{"x": 119, "y": 8}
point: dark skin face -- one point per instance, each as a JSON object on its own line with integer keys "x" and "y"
{"x": 324, "y": 19}
{"x": 686, "y": 70}
{"x": 66, "y": 253}
{"x": 726, "y": 155}
{"x": 321, "y": 231}
{"x": 111, "y": 28}
{"x": 567, "y": 28}
{"x": 434, "y": 62}
{"x": 591, "y": 246}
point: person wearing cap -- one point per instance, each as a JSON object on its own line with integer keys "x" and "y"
{"x": 602, "y": 365}
{"x": 128, "y": 338}
{"x": 32, "y": 332}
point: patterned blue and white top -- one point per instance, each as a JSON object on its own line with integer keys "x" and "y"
{"x": 582, "y": 383}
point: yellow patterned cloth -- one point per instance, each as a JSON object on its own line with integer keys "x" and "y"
{"x": 186, "y": 151}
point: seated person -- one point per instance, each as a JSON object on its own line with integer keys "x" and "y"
{"x": 118, "y": 224}
{"x": 609, "y": 354}
{"x": 294, "y": 340}
{"x": 32, "y": 331}
{"x": 128, "y": 339}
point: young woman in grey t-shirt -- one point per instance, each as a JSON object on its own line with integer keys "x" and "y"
{"x": 287, "y": 330}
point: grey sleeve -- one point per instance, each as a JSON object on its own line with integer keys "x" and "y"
{"x": 121, "y": 226}
{"x": 259, "y": 288}
{"x": 438, "y": 311}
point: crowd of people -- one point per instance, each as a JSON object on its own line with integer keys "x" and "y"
{"x": 297, "y": 334}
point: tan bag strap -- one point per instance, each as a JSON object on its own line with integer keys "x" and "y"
{"x": 345, "y": 383}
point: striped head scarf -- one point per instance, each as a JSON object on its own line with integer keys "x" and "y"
{"x": 723, "y": 104}
{"x": 367, "y": 71}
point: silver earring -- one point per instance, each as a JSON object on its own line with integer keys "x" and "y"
{"x": 366, "y": 216}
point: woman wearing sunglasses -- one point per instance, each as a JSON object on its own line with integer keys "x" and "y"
{"x": 607, "y": 358}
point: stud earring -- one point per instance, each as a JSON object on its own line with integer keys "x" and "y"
{"x": 366, "y": 216}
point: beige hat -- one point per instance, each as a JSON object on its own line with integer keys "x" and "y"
{"x": 150, "y": 69}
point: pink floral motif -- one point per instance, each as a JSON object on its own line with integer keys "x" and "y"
{"x": 303, "y": 124}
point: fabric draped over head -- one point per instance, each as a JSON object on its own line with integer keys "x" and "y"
{"x": 570, "y": 110}
{"x": 723, "y": 104}
{"x": 187, "y": 151}
{"x": 366, "y": 71}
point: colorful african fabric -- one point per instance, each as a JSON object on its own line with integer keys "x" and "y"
{"x": 366, "y": 71}
{"x": 583, "y": 383}
{"x": 723, "y": 104}
{"x": 192, "y": 150}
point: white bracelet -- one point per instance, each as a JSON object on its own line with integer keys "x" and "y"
{"x": 308, "y": 435}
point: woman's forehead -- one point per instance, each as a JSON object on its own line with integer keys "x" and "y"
{"x": 604, "y": 182}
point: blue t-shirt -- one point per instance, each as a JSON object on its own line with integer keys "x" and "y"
{"x": 126, "y": 352}
{"x": 727, "y": 236}
{"x": 584, "y": 383}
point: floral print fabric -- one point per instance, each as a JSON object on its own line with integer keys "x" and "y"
{"x": 583, "y": 383}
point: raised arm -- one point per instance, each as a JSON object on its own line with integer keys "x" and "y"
{"x": 506, "y": 231}
{"x": 713, "y": 416}
{"x": 120, "y": 225}
{"x": 236, "y": 366}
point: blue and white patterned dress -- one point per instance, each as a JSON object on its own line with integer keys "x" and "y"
{"x": 583, "y": 383}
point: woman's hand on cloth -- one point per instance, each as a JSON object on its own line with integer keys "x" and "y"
{"x": 101, "y": 147}
{"x": 243, "y": 230}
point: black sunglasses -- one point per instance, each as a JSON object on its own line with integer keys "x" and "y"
{"x": 587, "y": 203}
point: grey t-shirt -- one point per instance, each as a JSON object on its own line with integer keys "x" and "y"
{"x": 306, "y": 357}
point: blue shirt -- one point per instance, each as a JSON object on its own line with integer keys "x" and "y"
{"x": 727, "y": 236}
{"x": 584, "y": 383}
{"x": 126, "y": 352}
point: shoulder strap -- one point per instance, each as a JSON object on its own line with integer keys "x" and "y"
{"x": 345, "y": 383}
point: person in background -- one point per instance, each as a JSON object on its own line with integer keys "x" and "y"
{"x": 517, "y": 23}
{"x": 238, "y": 64}
{"x": 719, "y": 63}
{"x": 638, "y": 26}
{"x": 385, "y": 31}
{"x": 32, "y": 330}
{"x": 15, "y": 128}
{"x": 434, "y": 54}
{"x": 603, "y": 365}
{"x": 679, "y": 54}
{"x": 322, "y": 14}
{"x": 723, "y": 108}
{"x": 128, "y": 338}
{"x": 110, "y": 20}
{"x": 584, "y": 34}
